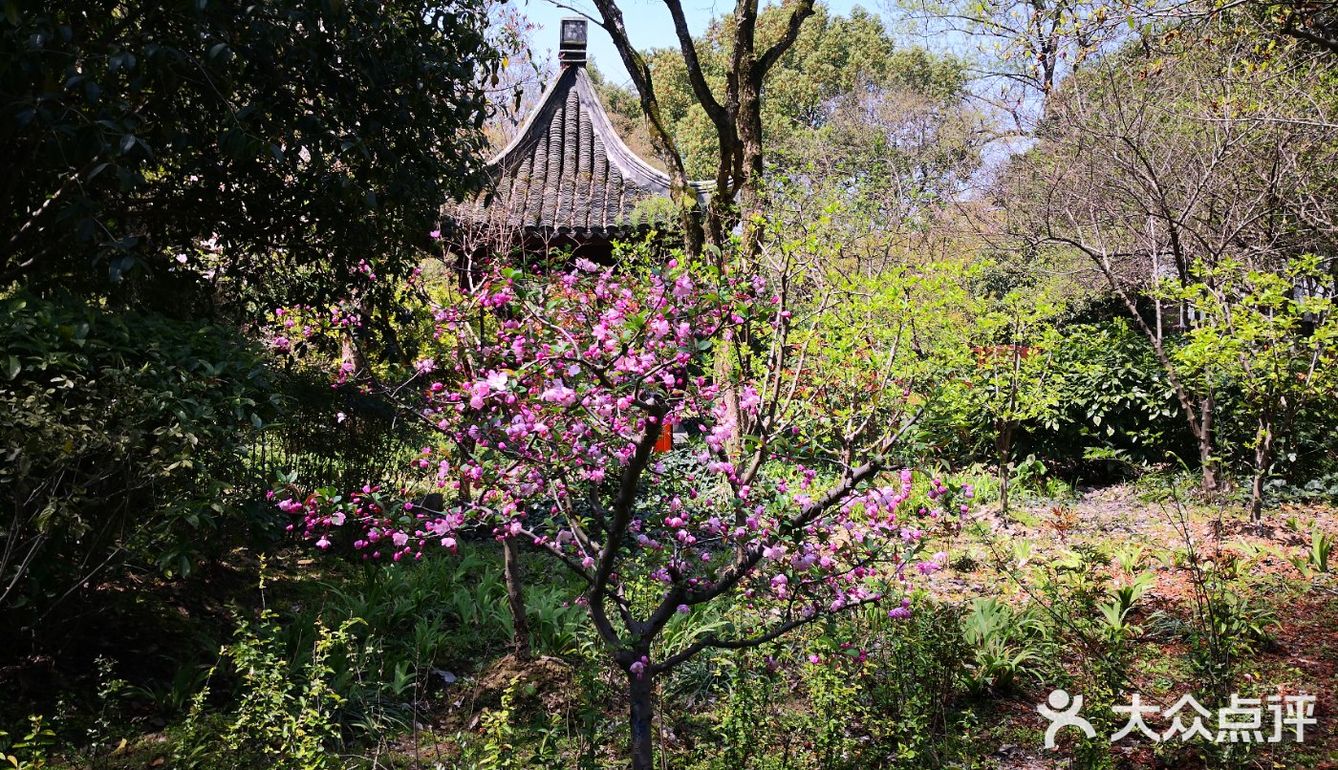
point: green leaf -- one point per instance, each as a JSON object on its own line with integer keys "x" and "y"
{"x": 14, "y": 367}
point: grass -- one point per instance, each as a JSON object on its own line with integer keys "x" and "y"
{"x": 446, "y": 617}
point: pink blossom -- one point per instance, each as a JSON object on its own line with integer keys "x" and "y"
{"x": 901, "y": 611}
{"x": 683, "y": 286}
{"x": 559, "y": 393}
{"x": 749, "y": 399}
{"x": 497, "y": 381}
{"x": 546, "y": 389}
{"x": 638, "y": 667}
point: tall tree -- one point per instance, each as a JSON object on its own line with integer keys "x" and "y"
{"x": 735, "y": 115}
{"x": 1172, "y": 165}
{"x": 156, "y": 149}
{"x": 850, "y": 120}
{"x": 1026, "y": 48}
{"x": 835, "y": 60}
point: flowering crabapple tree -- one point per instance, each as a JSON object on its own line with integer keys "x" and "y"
{"x": 551, "y": 391}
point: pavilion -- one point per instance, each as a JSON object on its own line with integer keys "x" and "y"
{"x": 566, "y": 181}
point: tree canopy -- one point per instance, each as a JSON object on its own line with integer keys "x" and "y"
{"x": 834, "y": 59}
{"x": 153, "y": 149}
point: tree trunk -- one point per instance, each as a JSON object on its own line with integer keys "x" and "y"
{"x": 640, "y": 720}
{"x": 1263, "y": 457}
{"x": 520, "y": 633}
{"x": 1200, "y": 425}
{"x": 1204, "y": 434}
{"x": 1207, "y": 463}
{"x": 1004, "y": 446}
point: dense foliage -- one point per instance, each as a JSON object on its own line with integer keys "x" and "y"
{"x": 1187, "y": 178}
{"x": 126, "y": 440}
{"x": 839, "y": 70}
{"x": 182, "y": 152}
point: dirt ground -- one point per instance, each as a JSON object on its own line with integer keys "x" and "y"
{"x": 1302, "y": 659}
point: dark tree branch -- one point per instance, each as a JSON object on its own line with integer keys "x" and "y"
{"x": 745, "y": 562}
{"x": 748, "y": 641}
{"x": 684, "y": 196}
{"x": 700, "y": 88}
{"x": 622, "y": 516}
{"x": 769, "y": 58}
{"x": 1329, "y": 44}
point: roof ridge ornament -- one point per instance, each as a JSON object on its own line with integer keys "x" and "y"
{"x": 571, "y": 47}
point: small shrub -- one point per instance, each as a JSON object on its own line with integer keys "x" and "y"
{"x": 1006, "y": 646}
{"x": 125, "y": 437}
{"x": 285, "y": 715}
{"x": 1315, "y": 559}
{"x": 33, "y": 750}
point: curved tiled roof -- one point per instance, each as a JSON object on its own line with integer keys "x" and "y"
{"x": 566, "y": 171}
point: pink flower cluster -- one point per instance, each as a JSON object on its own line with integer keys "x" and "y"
{"x": 547, "y": 391}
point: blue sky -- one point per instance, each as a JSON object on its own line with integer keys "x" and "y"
{"x": 648, "y": 25}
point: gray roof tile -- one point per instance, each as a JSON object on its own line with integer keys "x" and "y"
{"x": 566, "y": 171}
